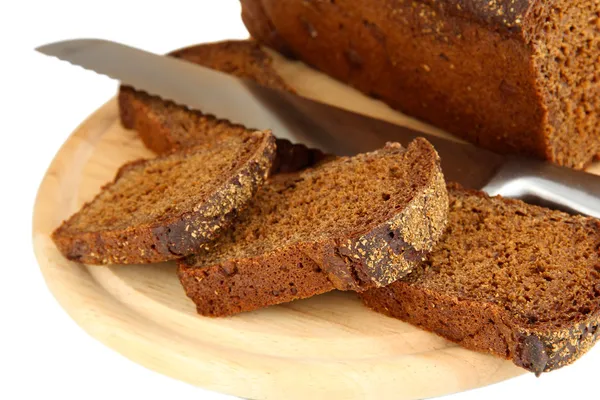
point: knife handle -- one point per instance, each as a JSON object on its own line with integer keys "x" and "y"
{"x": 545, "y": 184}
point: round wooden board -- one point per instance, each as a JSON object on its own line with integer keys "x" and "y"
{"x": 329, "y": 346}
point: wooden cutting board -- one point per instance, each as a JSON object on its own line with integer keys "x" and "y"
{"x": 329, "y": 346}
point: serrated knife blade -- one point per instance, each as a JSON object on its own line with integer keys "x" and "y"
{"x": 323, "y": 126}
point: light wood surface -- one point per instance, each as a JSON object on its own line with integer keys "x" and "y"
{"x": 329, "y": 346}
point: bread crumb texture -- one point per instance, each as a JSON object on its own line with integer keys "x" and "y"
{"x": 349, "y": 223}
{"x": 168, "y": 207}
{"x": 515, "y": 280}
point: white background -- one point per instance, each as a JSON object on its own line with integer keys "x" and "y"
{"x": 43, "y": 352}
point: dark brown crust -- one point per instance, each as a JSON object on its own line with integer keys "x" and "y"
{"x": 506, "y": 15}
{"x": 260, "y": 27}
{"x": 467, "y": 66}
{"x": 389, "y": 251}
{"x": 178, "y": 235}
{"x": 485, "y": 327}
{"x": 373, "y": 259}
{"x": 292, "y": 157}
{"x": 361, "y": 52}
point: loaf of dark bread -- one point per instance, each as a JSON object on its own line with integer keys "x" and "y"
{"x": 164, "y": 126}
{"x": 348, "y": 223}
{"x": 511, "y": 279}
{"x": 513, "y": 76}
{"x": 171, "y": 206}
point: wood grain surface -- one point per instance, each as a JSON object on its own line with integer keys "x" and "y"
{"x": 329, "y": 346}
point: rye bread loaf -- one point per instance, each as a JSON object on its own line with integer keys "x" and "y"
{"x": 511, "y": 279}
{"x": 164, "y": 126}
{"x": 348, "y": 223}
{"x": 168, "y": 207}
{"x": 513, "y": 76}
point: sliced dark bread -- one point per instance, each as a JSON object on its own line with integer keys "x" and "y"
{"x": 164, "y": 126}
{"x": 348, "y": 223}
{"x": 511, "y": 279}
{"x": 168, "y": 207}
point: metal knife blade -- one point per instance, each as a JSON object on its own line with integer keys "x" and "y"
{"x": 323, "y": 126}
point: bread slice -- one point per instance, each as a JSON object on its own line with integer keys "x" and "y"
{"x": 164, "y": 126}
{"x": 349, "y": 224}
{"x": 168, "y": 207}
{"x": 511, "y": 279}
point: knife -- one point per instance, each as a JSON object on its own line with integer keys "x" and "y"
{"x": 331, "y": 129}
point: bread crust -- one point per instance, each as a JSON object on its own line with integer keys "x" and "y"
{"x": 175, "y": 235}
{"x": 478, "y": 69}
{"x": 486, "y": 326}
{"x": 356, "y": 262}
